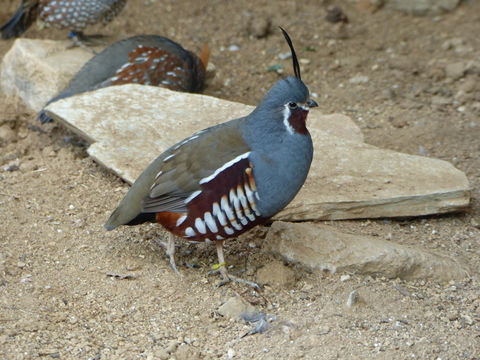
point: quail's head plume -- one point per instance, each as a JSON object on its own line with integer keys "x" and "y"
{"x": 145, "y": 59}
{"x": 74, "y": 15}
{"x": 226, "y": 179}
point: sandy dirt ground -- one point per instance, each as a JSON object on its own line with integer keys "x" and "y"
{"x": 386, "y": 70}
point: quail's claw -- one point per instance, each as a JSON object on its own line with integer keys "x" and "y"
{"x": 238, "y": 280}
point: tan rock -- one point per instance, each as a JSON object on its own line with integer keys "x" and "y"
{"x": 277, "y": 274}
{"x": 7, "y": 134}
{"x": 36, "y": 70}
{"x": 322, "y": 247}
{"x": 234, "y": 307}
{"x": 130, "y": 125}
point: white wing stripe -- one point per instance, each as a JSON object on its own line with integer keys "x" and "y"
{"x": 181, "y": 219}
{"x": 200, "y": 225}
{"x": 250, "y": 199}
{"x": 212, "y": 226}
{"x": 189, "y": 232}
{"x": 192, "y": 196}
{"x": 224, "y": 166}
{"x": 219, "y": 214}
{"x": 228, "y": 210}
{"x": 236, "y": 204}
{"x": 228, "y": 230}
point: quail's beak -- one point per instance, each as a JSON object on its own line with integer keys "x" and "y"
{"x": 311, "y": 103}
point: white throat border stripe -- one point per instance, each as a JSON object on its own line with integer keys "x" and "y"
{"x": 286, "y": 115}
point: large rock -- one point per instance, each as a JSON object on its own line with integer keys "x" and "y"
{"x": 422, "y": 7}
{"x": 36, "y": 70}
{"x": 130, "y": 125}
{"x": 322, "y": 247}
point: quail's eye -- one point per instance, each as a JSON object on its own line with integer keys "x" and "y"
{"x": 292, "y": 105}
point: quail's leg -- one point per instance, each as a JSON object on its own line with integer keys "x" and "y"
{"x": 83, "y": 41}
{"x": 170, "y": 250}
{"x": 223, "y": 269}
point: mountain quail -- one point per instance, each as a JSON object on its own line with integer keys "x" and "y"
{"x": 224, "y": 180}
{"x": 145, "y": 59}
{"x": 74, "y": 15}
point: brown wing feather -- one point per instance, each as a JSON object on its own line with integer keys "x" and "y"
{"x": 190, "y": 161}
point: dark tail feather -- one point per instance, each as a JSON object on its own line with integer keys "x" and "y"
{"x": 43, "y": 117}
{"x": 143, "y": 218}
{"x": 25, "y": 15}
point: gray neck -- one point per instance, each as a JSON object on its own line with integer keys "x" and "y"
{"x": 281, "y": 161}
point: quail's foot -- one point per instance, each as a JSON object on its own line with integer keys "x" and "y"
{"x": 222, "y": 268}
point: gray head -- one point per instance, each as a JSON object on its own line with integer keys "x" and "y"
{"x": 288, "y": 101}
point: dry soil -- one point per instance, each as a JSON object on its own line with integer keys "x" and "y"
{"x": 394, "y": 74}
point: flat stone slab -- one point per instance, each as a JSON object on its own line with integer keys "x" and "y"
{"x": 130, "y": 125}
{"x": 36, "y": 70}
{"x": 321, "y": 247}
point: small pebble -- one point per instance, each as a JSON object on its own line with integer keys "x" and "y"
{"x": 422, "y": 151}
{"x": 11, "y": 167}
{"x": 260, "y": 27}
{"x": 359, "y": 79}
{"x": 230, "y": 353}
{"x": 353, "y": 298}
{"x": 233, "y": 48}
{"x": 345, "y": 278}
{"x": 172, "y": 346}
{"x": 335, "y": 15}
{"x": 455, "y": 70}
{"x": 284, "y": 56}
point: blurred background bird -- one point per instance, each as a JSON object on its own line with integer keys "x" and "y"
{"x": 74, "y": 15}
{"x": 144, "y": 59}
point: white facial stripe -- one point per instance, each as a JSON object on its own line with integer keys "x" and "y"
{"x": 224, "y": 166}
{"x": 286, "y": 115}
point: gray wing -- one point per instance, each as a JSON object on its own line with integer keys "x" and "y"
{"x": 176, "y": 174}
{"x": 189, "y": 162}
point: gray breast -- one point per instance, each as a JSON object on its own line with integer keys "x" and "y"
{"x": 281, "y": 171}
